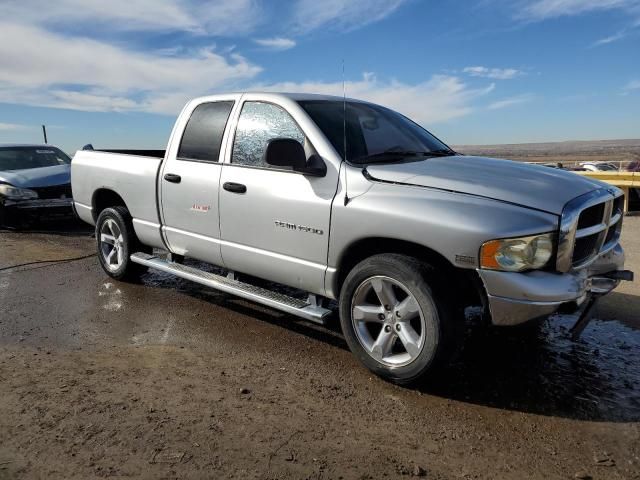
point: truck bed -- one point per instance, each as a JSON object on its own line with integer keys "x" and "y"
{"x": 137, "y": 153}
{"x": 131, "y": 176}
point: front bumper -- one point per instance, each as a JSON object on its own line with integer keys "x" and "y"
{"x": 515, "y": 298}
{"x": 16, "y": 211}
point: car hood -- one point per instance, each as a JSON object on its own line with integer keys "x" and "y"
{"x": 533, "y": 186}
{"x": 37, "y": 177}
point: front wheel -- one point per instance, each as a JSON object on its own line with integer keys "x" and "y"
{"x": 116, "y": 241}
{"x": 393, "y": 318}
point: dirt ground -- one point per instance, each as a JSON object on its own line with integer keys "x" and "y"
{"x": 165, "y": 379}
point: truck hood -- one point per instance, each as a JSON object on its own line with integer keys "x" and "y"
{"x": 37, "y": 177}
{"x": 533, "y": 186}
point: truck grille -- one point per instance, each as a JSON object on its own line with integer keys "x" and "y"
{"x": 590, "y": 225}
{"x": 584, "y": 248}
{"x": 56, "y": 191}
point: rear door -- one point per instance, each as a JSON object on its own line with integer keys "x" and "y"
{"x": 189, "y": 181}
{"x": 274, "y": 222}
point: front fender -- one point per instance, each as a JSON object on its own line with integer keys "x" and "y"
{"x": 452, "y": 224}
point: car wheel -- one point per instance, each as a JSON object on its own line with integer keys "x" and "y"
{"x": 116, "y": 241}
{"x": 393, "y": 317}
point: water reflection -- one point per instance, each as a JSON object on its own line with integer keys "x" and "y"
{"x": 545, "y": 372}
{"x": 111, "y": 297}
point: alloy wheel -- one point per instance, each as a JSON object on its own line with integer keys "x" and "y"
{"x": 388, "y": 321}
{"x": 111, "y": 244}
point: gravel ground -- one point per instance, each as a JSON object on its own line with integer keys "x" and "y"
{"x": 165, "y": 379}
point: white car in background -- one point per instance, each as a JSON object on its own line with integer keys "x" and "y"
{"x": 600, "y": 166}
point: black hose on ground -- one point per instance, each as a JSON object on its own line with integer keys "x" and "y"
{"x": 51, "y": 262}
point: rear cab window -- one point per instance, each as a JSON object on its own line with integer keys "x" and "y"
{"x": 202, "y": 137}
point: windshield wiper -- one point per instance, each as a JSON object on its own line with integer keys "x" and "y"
{"x": 443, "y": 152}
{"x": 402, "y": 154}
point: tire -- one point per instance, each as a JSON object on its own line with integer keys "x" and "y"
{"x": 9, "y": 219}
{"x": 116, "y": 241}
{"x": 394, "y": 318}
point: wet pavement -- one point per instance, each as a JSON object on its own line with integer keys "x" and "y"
{"x": 518, "y": 402}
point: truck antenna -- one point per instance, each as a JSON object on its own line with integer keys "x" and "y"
{"x": 44, "y": 133}
{"x": 344, "y": 134}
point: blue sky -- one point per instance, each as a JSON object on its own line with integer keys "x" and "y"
{"x": 472, "y": 71}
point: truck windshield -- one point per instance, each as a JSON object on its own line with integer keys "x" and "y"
{"x": 373, "y": 133}
{"x": 22, "y": 158}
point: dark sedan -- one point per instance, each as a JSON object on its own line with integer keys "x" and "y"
{"x": 35, "y": 183}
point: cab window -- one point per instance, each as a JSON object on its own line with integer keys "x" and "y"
{"x": 260, "y": 122}
{"x": 202, "y": 136}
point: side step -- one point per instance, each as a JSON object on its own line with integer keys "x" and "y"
{"x": 278, "y": 301}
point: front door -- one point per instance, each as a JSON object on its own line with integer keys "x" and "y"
{"x": 189, "y": 184}
{"x": 274, "y": 223}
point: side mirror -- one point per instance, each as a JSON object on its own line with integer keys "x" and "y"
{"x": 285, "y": 152}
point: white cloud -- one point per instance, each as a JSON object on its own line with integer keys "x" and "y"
{"x": 51, "y": 69}
{"x": 276, "y": 43}
{"x": 494, "y": 73}
{"x": 439, "y": 99}
{"x": 611, "y": 38}
{"x": 208, "y": 17}
{"x": 107, "y": 77}
{"x": 543, "y": 9}
{"x": 341, "y": 14}
{"x": 632, "y": 85}
{"x": 4, "y": 127}
{"x": 511, "y": 101}
{"x": 539, "y": 10}
{"x": 212, "y": 17}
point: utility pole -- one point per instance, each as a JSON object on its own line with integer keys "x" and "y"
{"x": 44, "y": 132}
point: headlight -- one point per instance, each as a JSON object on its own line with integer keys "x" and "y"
{"x": 517, "y": 254}
{"x": 14, "y": 193}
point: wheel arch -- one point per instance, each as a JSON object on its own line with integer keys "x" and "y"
{"x": 105, "y": 198}
{"x": 467, "y": 285}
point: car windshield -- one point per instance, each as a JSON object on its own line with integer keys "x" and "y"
{"x": 373, "y": 133}
{"x": 607, "y": 167}
{"x": 22, "y": 158}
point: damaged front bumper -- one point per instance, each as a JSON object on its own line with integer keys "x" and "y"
{"x": 515, "y": 298}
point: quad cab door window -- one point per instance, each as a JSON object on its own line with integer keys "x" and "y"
{"x": 260, "y": 122}
{"x": 269, "y": 212}
{"x": 190, "y": 181}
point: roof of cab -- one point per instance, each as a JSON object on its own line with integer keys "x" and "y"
{"x": 295, "y": 96}
{"x": 33, "y": 145}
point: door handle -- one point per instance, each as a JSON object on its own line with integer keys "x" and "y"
{"x": 234, "y": 187}
{"x": 172, "y": 177}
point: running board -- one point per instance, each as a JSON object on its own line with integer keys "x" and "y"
{"x": 269, "y": 298}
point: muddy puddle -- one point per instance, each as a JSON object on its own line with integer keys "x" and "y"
{"x": 535, "y": 369}
{"x": 541, "y": 370}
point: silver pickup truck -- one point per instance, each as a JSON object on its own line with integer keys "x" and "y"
{"x": 350, "y": 201}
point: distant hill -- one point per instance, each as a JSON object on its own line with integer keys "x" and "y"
{"x": 565, "y": 152}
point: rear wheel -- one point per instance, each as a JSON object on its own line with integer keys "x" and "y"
{"x": 393, "y": 318}
{"x": 116, "y": 241}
